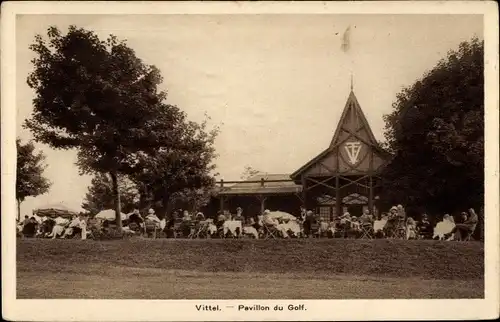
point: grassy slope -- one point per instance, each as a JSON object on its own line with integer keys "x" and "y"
{"x": 376, "y": 258}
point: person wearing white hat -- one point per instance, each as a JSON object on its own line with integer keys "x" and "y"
{"x": 152, "y": 216}
{"x": 267, "y": 219}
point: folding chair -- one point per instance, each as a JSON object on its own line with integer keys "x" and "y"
{"x": 469, "y": 235}
{"x": 366, "y": 231}
{"x": 197, "y": 229}
{"x": 150, "y": 227}
{"x": 269, "y": 231}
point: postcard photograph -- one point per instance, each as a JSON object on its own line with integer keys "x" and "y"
{"x": 250, "y": 156}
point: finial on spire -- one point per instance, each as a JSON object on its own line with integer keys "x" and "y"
{"x": 352, "y": 86}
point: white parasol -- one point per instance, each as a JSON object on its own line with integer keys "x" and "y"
{"x": 61, "y": 221}
{"x": 281, "y": 215}
{"x": 109, "y": 214}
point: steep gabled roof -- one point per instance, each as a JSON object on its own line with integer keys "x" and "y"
{"x": 352, "y": 106}
{"x": 352, "y": 109}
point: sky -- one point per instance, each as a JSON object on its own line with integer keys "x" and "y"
{"x": 275, "y": 84}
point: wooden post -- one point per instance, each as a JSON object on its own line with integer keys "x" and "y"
{"x": 221, "y": 205}
{"x": 370, "y": 197}
{"x": 221, "y": 198}
{"x": 262, "y": 200}
{"x": 304, "y": 191}
{"x": 338, "y": 200}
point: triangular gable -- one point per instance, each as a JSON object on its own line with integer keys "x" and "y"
{"x": 354, "y": 139}
{"x": 353, "y": 119}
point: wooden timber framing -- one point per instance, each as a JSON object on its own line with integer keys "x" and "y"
{"x": 261, "y": 190}
{"x": 348, "y": 169}
{"x": 351, "y": 164}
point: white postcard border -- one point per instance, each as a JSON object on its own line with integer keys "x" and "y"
{"x": 184, "y": 310}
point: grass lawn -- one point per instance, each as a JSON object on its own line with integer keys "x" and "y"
{"x": 245, "y": 269}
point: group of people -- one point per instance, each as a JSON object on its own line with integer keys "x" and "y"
{"x": 394, "y": 224}
{"x": 51, "y": 228}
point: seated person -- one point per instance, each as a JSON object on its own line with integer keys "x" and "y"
{"x": 152, "y": 217}
{"x": 200, "y": 216}
{"x": 239, "y": 215}
{"x": 345, "y": 220}
{"x": 186, "y": 216}
{"x": 268, "y": 220}
{"x": 401, "y": 212}
{"x": 467, "y": 227}
{"x": 424, "y": 227}
{"x": 74, "y": 227}
{"x": 136, "y": 218}
{"x": 30, "y": 228}
{"x": 220, "y": 220}
{"x": 411, "y": 228}
{"x": 366, "y": 218}
{"x": 393, "y": 213}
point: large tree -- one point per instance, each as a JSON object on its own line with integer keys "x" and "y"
{"x": 183, "y": 174}
{"x": 100, "y": 98}
{"x": 435, "y": 133}
{"x": 29, "y": 174}
{"x": 100, "y": 194}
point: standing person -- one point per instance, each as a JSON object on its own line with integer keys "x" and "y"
{"x": 83, "y": 225}
{"x": 26, "y": 220}
{"x": 308, "y": 221}
{"x": 30, "y": 228}
{"x": 303, "y": 214}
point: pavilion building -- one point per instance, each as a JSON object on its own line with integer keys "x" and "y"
{"x": 344, "y": 177}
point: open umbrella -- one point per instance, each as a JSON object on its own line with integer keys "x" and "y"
{"x": 281, "y": 215}
{"x": 57, "y": 210}
{"x": 61, "y": 221}
{"x": 109, "y": 214}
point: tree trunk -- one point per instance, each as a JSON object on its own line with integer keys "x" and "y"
{"x": 116, "y": 193}
{"x": 18, "y": 209}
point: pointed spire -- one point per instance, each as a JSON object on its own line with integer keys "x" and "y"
{"x": 352, "y": 83}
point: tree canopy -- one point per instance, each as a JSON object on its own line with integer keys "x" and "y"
{"x": 100, "y": 98}
{"x": 436, "y": 134}
{"x": 248, "y": 172}
{"x": 100, "y": 194}
{"x": 29, "y": 174}
{"x": 182, "y": 175}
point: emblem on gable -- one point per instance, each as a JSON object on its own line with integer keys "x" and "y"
{"x": 353, "y": 149}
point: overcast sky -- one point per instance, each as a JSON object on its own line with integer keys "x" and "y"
{"x": 276, "y": 84}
